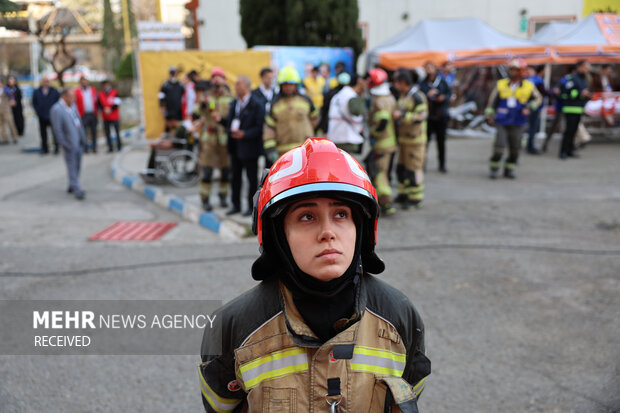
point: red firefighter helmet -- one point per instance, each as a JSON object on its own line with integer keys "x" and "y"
{"x": 218, "y": 71}
{"x": 317, "y": 168}
{"x": 376, "y": 77}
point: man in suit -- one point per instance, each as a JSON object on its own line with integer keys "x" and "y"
{"x": 42, "y": 101}
{"x": 67, "y": 128}
{"x": 266, "y": 92}
{"x": 245, "y": 131}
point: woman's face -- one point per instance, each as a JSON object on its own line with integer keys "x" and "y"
{"x": 321, "y": 235}
{"x": 12, "y": 81}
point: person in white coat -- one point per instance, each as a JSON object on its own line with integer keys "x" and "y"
{"x": 346, "y": 115}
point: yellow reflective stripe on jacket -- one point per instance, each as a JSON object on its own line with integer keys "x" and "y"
{"x": 417, "y": 389}
{"x": 573, "y": 109}
{"x": 278, "y": 107}
{"x": 271, "y": 366}
{"x": 271, "y": 143}
{"x": 218, "y": 403}
{"x": 381, "y": 114}
{"x": 376, "y": 360}
{"x": 416, "y": 116}
{"x": 270, "y": 121}
{"x": 314, "y": 114}
{"x": 301, "y": 103}
{"x": 385, "y": 143}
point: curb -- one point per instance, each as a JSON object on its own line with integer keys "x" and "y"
{"x": 173, "y": 203}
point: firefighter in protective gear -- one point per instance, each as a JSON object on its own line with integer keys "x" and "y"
{"x": 309, "y": 338}
{"x": 213, "y": 153}
{"x": 292, "y": 117}
{"x": 411, "y": 120}
{"x": 382, "y": 137}
{"x": 509, "y": 107}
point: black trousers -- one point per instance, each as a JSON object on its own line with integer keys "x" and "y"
{"x": 18, "y": 119}
{"x": 89, "y": 120}
{"x": 106, "y": 128}
{"x": 251, "y": 171}
{"x": 438, "y": 128}
{"x": 43, "y": 125}
{"x": 568, "y": 140}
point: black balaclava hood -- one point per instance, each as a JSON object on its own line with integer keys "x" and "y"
{"x": 269, "y": 263}
{"x": 320, "y": 303}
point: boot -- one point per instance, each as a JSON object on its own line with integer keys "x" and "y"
{"x": 223, "y": 201}
{"x": 387, "y": 209}
{"x": 493, "y": 174}
{"x": 206, "y": 205}
{"x": 401, "y": 199}
{"x": 509, "y": 173}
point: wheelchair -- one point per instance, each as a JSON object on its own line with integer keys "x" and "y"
{"x": 173, "y": 160}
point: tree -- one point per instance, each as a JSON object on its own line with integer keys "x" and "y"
{"x": 8, "y": 6}
{"x": 53, "y": 29}
{"x": 301, "y": 23}
{"x": 111, "y": 40}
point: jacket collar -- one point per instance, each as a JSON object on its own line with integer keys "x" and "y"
{"x": 303, "y": 335}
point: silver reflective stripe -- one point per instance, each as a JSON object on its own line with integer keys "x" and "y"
{"x": 273, "y": 367}
{"x": 378, "y": 362}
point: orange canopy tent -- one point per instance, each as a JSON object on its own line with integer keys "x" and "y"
{"x": 595, "y": 38}
{"x": 470, "y": 41}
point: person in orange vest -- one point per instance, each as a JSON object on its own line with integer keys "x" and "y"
{"x": 86, "y": 103}
{"x": 109, "y": 103}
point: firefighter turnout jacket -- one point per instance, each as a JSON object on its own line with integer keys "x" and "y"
{"x": 412, "y": 125}
{"x": 213, "y": 139}
{"x": 381, "y": 123}
{"x": 270, "y": 361}
{"x": 289, "y": 122}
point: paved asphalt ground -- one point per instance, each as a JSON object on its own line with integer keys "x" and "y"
{"x": 518, "y": 282}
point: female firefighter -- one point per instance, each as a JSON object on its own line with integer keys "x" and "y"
{"x": 319, "y": 333}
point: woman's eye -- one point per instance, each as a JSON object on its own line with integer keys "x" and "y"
{"x": 305, "y": 217}
{"x": 342, "y": 214}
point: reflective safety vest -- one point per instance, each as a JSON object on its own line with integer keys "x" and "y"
{"x": 512, "y": 101}
{"x": 381, "y": 109}
{"x": 412, "y": 124}
{"x": 289, "y": 123}
{"x": 572, "y": 99}
{"x": 271, "y": 361}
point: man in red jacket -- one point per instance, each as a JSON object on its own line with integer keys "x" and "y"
{"x": 109, "y": 102}
{"x": 86, "y": 102}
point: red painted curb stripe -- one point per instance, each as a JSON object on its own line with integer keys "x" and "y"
{"x": 133, "y": 231}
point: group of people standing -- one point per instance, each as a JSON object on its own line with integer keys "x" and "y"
{"x": 398, "y": 119}
{"x": 235, "y": 130}
{"x": 516, "y": 102}
{"x": 70, "y": 113}
{"x": 90, "y": 103}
